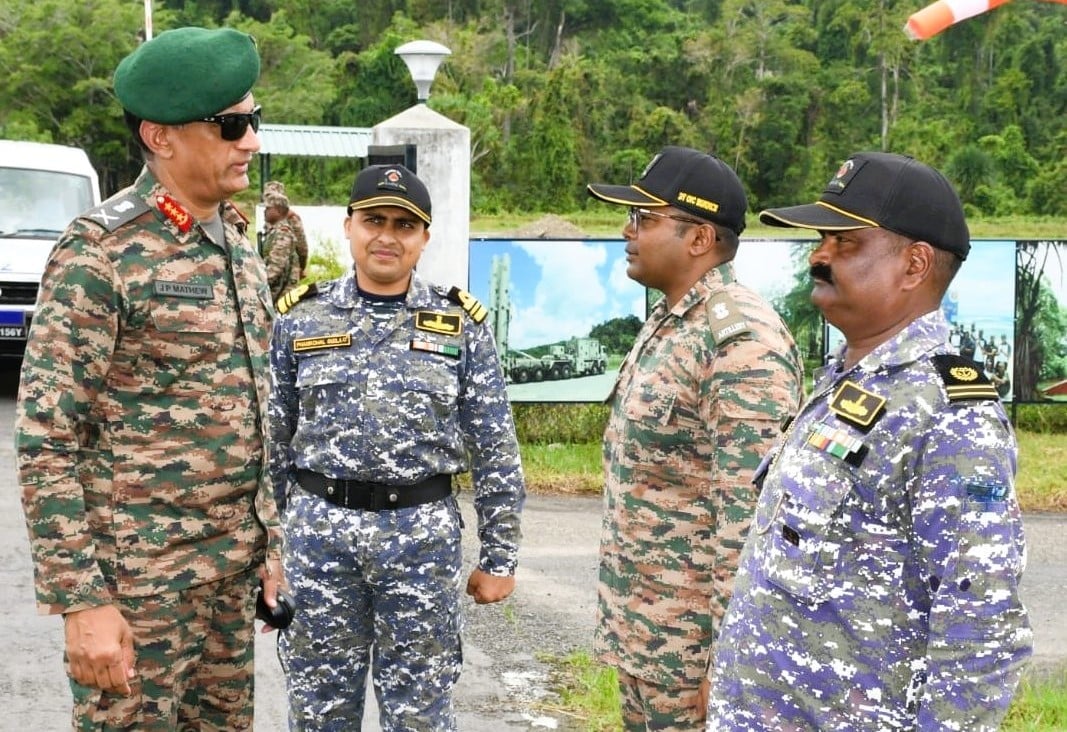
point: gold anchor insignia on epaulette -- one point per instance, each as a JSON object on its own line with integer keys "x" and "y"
{"x": 964, "y": 373}
{"x": 438, "y": 322}
{"x": 856, "y": 405}
{"x": 174, "y": 211}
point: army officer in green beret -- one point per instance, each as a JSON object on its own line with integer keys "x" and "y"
{"x": 141, "y": 409}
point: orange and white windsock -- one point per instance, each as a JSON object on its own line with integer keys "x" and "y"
{"x": 938, "y": 16}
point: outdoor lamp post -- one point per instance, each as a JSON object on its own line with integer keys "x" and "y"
{"x": 422, "y": 59}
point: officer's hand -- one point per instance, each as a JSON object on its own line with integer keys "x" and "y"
{"x": 100, "y": 648}
{"x": 271, "y": 575}
{"x": 486, "y": 588}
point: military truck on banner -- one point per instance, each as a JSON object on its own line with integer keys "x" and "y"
{"x": 576, "y": 357}
{"x": 43, "y": 188}
{"x": 564, "y": 360}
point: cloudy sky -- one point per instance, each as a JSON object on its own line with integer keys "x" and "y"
{"x": 559, "y": 288}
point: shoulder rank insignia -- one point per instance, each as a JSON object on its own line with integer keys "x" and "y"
{"x": 115, "y": 212}
{"x": 175, "y": 212}
{"x": 469, "y": 303}
{"x": 725, "y": 319}
{"x": 857, "y": 406}
{"x": 963, "y": 378}
{"x": 438, "y": 322}
{"x": 286, "y": 302}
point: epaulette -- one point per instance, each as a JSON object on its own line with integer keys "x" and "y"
{"x": 114, "y": 212}
{"x": 725, "y": 319}
{"x": 237, "y": 210}
{"x": 470, "y": 303}
{"x": 963, "y": 379}
{"x": 286, "y": 302}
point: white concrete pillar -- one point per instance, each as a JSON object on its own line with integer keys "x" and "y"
{"x": 443, "y": 159}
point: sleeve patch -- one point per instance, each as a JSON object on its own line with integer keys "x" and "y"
{"x": 725, "y": 318}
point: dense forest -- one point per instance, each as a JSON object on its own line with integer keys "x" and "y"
{"x": 558, "y": 93}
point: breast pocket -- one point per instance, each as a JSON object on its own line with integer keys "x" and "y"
{"x": 431, "y": 389}
{"x": 179, "y": 334}
{"x": 324, "y": 380}
{"x": 800, "y": 520}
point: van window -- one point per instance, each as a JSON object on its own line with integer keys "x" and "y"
{"x": 39, "y": 204}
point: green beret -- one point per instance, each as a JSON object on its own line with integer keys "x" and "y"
{"x": 187, "y": 74}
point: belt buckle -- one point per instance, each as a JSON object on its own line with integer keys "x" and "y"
{"x": 384, "y": 497}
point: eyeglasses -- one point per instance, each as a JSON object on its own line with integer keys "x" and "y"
{"x": 636, "y": 214}
{"x": 233, "y": 127}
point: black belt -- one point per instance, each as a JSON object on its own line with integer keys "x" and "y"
{"x": 366, "y": 496}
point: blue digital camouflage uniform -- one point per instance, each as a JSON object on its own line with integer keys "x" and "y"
{"x": 879, "y": 584}
{"x": 140, "y": 445}
{"x": 698, "y": 401}
{"x": 394, "y": 393}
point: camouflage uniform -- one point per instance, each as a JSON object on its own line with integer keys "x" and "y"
{"x": 281, "y": 257}
{"x": 139, "y": 432}
{"x": 700, "y": 397}
{"x": 391, "y": 391}
{"x": 297, "y": 225}
{"x": 879, "y": 586}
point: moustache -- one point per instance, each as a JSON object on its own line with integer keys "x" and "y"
{"x": 821, "y": 272}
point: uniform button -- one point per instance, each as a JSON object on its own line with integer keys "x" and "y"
{"x": 393, "y": 497}
{"x": 329, "y": 489}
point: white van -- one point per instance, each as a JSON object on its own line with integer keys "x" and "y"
{"x": 42, "y": 189}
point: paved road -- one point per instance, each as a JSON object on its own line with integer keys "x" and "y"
{"x": 504, "y": 675}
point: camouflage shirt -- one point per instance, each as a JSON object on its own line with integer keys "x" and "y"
{"x": 879, "y": 587}
{"x": 281, "y": 257}
{"x": 698, "y": 401}
{"x": 297, "y": 225}
{"x": 143, "y": 397}
{"x": 396, "y": 393}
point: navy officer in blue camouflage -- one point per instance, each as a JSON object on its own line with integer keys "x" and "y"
{"x": 384, "y": 387}
{"x": 879, "y": 584}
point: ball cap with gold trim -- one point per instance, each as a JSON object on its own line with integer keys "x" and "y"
{"x": 390, "y": 185}
{"x": 697, "y": 183}
{"x": 887, "y": 191}
{"x": 186, "y": 74}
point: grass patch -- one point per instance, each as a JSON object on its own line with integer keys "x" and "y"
{"x": 1040, "y": 702}
{"x": 588, "y": 693}
{"x": 1042, "y": 477}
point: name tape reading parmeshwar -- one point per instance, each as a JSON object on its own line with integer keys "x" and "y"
{"x": 183, "y": 289}
{"x": 321, "y": 342}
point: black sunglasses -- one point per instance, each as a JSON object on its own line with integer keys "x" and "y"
{"x": 233, "y": 127}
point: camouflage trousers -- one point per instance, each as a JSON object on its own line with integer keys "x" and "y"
{"x": 194, "y": 655}
{"x": 647, "y": 707}
{"x": 375, "y": 589}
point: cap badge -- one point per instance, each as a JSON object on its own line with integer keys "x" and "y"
{"x": 392, "y": 179}
{"x": 174, "y": 211}
{"x": 857, "y": 406}
{"x": 842, "y": 176}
